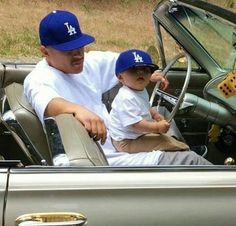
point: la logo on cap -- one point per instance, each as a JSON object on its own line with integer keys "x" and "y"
{"x": 137, "y": 58}
{"x": 70, "y": 29}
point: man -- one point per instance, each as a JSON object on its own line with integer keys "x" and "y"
{"x": 70, "y": 81}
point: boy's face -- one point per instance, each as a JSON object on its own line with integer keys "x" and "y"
{"x": 136, "y": 78}
{"x": 67, "y": 62}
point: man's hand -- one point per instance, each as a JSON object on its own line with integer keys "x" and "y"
{"x": 92, "y": 123}
{"x": 158, "y": 77}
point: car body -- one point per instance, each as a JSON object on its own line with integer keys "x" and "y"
{"x": 105, "y": 195}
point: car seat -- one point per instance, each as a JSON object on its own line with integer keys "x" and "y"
{"x": 21, "y": 120}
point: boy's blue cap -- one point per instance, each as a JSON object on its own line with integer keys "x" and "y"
{"x": 61, "y": 30}
{"x": 133, "y": 58}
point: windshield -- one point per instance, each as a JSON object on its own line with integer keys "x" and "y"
{"x": 215, "y": 35}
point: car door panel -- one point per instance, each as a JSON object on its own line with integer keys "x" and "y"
{"x": 125, "y": 197}
{"x": 197, "y": 82}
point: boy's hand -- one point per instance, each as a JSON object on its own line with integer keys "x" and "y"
{"x": 162, "y": 126}
{"x": 158, "y": 77}
{"x": 158, "y": 117}
{"x": 155, "y": 114}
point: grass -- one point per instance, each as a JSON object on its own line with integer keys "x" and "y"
{"x": 116, "y": 24}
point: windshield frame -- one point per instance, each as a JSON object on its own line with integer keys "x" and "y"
{"x": 162, "y": 16}
{"x": 221, "y": 31}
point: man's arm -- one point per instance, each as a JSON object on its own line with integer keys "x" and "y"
{"x": 92, "y": 123}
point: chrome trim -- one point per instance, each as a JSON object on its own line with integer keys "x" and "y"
{"x": 173, "y": 6}
{"x": 9, "y": 117}
{"x": 164, "y": 73}
{"x": 207, "y": 110}
{"x": 185, "y": 86}
{"x": 51, "y": 219}
{"x": 184, "y": 89}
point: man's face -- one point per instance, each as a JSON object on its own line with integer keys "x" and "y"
{"x": 67, "y": 62}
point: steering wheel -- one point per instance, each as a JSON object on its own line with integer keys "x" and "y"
{"x": 177, "y": 100}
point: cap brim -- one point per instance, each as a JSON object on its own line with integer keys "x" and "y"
{"x": 78, "y": 43}
{"x": 152, "y": 66}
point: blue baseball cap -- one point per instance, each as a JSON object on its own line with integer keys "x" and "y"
{"x": 61, "y": 30}
{"x": 134, "y": 58}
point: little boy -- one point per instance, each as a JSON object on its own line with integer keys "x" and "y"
{"x": 135, "y": 126}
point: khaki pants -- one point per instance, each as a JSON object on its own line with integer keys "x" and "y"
{"x": 150, "y": 142}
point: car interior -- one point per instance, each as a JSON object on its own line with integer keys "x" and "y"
{"x": 207, "y": 118}
{"x": 23, "y": 137}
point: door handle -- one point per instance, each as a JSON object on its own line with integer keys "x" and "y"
{"x": 51, "y": 219}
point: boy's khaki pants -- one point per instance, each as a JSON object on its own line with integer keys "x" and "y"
{"x": 150, "y": 142}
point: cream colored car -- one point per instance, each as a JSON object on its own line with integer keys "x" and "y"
{"x": 33, "y": 192}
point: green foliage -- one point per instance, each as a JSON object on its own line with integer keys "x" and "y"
{"x": 229, "y": 3}
{"x": 18, "y": 43}
{"x": 152, "y": 50}
{"x": 115, "y": 24}
{"x": 120, "y": 43}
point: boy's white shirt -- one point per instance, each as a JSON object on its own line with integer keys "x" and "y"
{"x": 129, "y": 107}
{"x": 86, "y": 88}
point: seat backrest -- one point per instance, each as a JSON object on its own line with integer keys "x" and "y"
{"x": 14, "y": 72}
{"x": 22, "y": 121}
{"x": 109, "y": 96}
{"x": 1, "y": 75}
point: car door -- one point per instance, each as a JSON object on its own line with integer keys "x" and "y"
{"x": 126, "y": 196}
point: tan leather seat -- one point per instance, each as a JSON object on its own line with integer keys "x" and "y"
{"x": 78, "y": 145}
{"x": 23, "y": 123}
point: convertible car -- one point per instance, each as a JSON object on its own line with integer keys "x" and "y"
{"x": 196, "y": 48}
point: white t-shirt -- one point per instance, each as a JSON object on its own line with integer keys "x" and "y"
{"x": 86, "y": 88}
{"x": 129, "y": 107}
